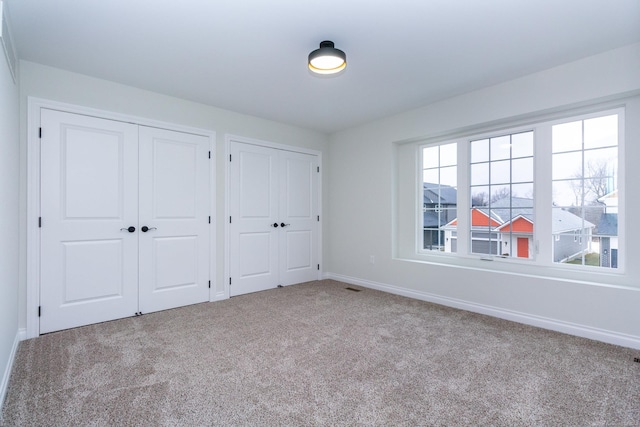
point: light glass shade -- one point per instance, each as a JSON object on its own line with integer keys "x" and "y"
{"x": 327, "y": 59}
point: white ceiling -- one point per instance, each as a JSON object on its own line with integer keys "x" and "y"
{"x": 250, "y": 56}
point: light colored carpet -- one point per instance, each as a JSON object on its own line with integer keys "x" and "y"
{"x": 319, "y": 354}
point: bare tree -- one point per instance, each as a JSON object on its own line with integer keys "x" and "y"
{"x": 503, "y": 193}
{"x": 480, "y": 199}
{"x": 597, "y": 183}
{"x": 600, "y": 175}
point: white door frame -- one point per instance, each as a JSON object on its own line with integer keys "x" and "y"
{"x": 229, "y": 138}
{"x": 34, "y": 106}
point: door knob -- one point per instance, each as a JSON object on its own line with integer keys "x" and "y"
{"x": 275, "y": 224}
{"x": 130, "y": 229}
{"x": 282, "y": 224}
{"x": 145, "y": 228}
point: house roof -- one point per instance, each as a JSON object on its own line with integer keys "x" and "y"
{"x": 506, "y": 209}
{"x": 564, "y": 221}
{"x": 435, "y": 194}
{"x": 439, "y": 194}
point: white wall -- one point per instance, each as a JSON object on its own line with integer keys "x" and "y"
{"x": 9, "y": 219}
{"x": 58, "y": 85}
{"x": 364, "y": 220}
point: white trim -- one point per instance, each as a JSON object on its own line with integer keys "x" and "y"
{"x": 4, "y": 384}
{"x": 584, "y": 331}
{"x": 245, "y": 140}
{"x": 229, "y": 138}
{"x": 34, "y": 107}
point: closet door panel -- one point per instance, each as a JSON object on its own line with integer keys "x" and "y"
{"x": 254, "y": 229}
{"x": 174, "y": 219}
{"x": 89, "y": 199}
{"x": 299, "y": 212}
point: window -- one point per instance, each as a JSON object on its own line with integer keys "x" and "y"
{"x": 585, "y": 190}
{"x": 439, "y": 183}
{"x": 574, "y": 220}
{"x": 502, "y": 195}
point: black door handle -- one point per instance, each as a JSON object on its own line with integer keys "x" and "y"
{"x": 282, "y": 224}
{"x": 145, "y": 228}
{"x": 130, "y": 229}
{"x": 275, "y": 224}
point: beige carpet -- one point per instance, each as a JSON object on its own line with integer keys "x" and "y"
{"x": 319, "y": 354}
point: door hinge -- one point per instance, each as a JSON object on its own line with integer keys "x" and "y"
{"x": 40, "y": 133}
{"x": 209, "y": 154}
{"x": 209, "y": 284}
{"x": 39, "y": 310}
{"x": 318, "y": 267}
{"x": 229, "y": 220}
{"x": 318, "y": 218}
{"x": 318, "y": 169}
{"x": 229, "y": 157}
{"x": 39, "y": 222}
{"x": 209, "y": 219}
{"x": 229, "y": 280}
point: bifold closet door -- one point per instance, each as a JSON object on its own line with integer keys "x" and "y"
{"x": 273, "y": 200}
{"x": 174, "y": 219}
{"x": 89, "y": 201}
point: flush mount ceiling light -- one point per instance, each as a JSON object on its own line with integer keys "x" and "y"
{"x": 327, "y": 59}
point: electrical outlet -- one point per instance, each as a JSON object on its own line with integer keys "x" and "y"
{"x": 372, "y": 259}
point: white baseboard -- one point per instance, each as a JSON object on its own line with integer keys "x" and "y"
{"x": 4, "y": 385}
{"x": 583, "y": 331}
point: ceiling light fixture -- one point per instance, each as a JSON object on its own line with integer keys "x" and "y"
{"x": 327, "y": 59}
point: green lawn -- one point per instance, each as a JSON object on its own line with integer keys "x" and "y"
{"x": 590, "y": 259}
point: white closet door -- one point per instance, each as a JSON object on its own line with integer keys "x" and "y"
{"x": 273, "y": 202}
{"x": 299, "y": 214}
{"x": 254, "y": 228}
{"x": 89, "y": 198}
{"x": 174, "y": 211}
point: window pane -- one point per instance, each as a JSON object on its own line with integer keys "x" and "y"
{"x": 449, "y": 176}
{"x": 522, "y": 144}
{"x": 448, "y": 154}
{"x": 501, "y": 147}
{"x": 480, "y": 151}
{"x": 524, "y": 191}
{"x": 567, "y": 165}
{"x": 480, "y": 174}
{"x": 480, "y": 196}
{"x": 439, "y": 197}
{"x": 585, "y": 216}
{"x": 567, "y": 137}
{"x": 430, "y": 176}
{"x": 567, "y": 193}
{"x": 601, "y": 132}
{"x": 500, "y": 172}
{"x": 500, "y": 192}
{"x": 506, "y": 201}
{"x": 430, "y": 157}
{"x": 522, "y": 170}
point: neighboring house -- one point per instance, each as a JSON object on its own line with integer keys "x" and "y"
{"x": 572, "y": 236}
{"x": 506, "y": 229}
{"x": 607, "y": 230}
{"x": 438, "y": 209}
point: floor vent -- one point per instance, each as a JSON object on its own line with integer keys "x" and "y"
{"x": 353, "y": 289}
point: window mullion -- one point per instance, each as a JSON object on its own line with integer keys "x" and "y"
{"x": 542, "y": 165}
{"x": 464, "y": 197}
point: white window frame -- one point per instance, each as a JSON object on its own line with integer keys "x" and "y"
{"x": 543, "y": 237}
